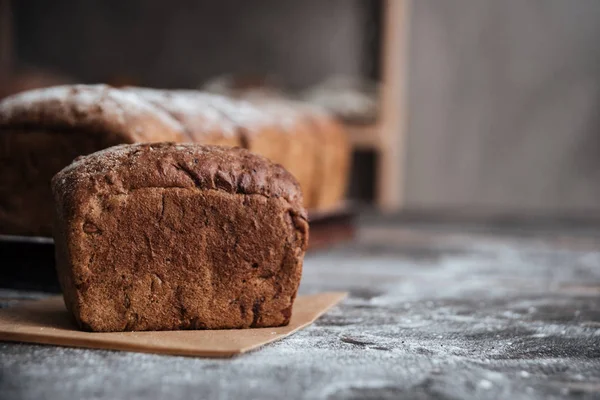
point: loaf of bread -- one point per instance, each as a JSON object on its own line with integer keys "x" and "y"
{"x": 178, "y": 236}
{"x": 42, "y": 131}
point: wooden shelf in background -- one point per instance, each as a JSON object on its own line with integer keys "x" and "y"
{"x": 364, "y": 137}
{"x": 387, "y": 137}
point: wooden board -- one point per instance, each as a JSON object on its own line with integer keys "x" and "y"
{"x": 48, "y": 322}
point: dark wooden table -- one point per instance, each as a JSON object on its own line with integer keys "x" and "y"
{"x": 436, "y": 311}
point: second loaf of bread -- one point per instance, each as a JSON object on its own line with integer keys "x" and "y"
{"x": 43, "y": 130}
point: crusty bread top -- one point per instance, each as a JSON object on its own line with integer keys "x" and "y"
{"x": 242, "y": 113}
{"x": 121, "y": 169}
{"x": 98, "y": 108}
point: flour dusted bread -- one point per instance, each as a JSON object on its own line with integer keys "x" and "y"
{"x": 178, "y": 236}
{"x": 202, "y": 121}
{"x": 42, "y": 131}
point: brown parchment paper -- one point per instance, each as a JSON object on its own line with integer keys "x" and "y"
{"x": 48, "y": 322}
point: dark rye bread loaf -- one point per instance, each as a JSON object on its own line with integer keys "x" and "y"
{"x": 178, "y": 236}
{"x": 42, "y": 131}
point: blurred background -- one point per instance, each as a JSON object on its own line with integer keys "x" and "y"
{"x": 464, "y": 108}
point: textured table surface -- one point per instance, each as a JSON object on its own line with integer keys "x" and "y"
{"x": 434, "y": 312}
